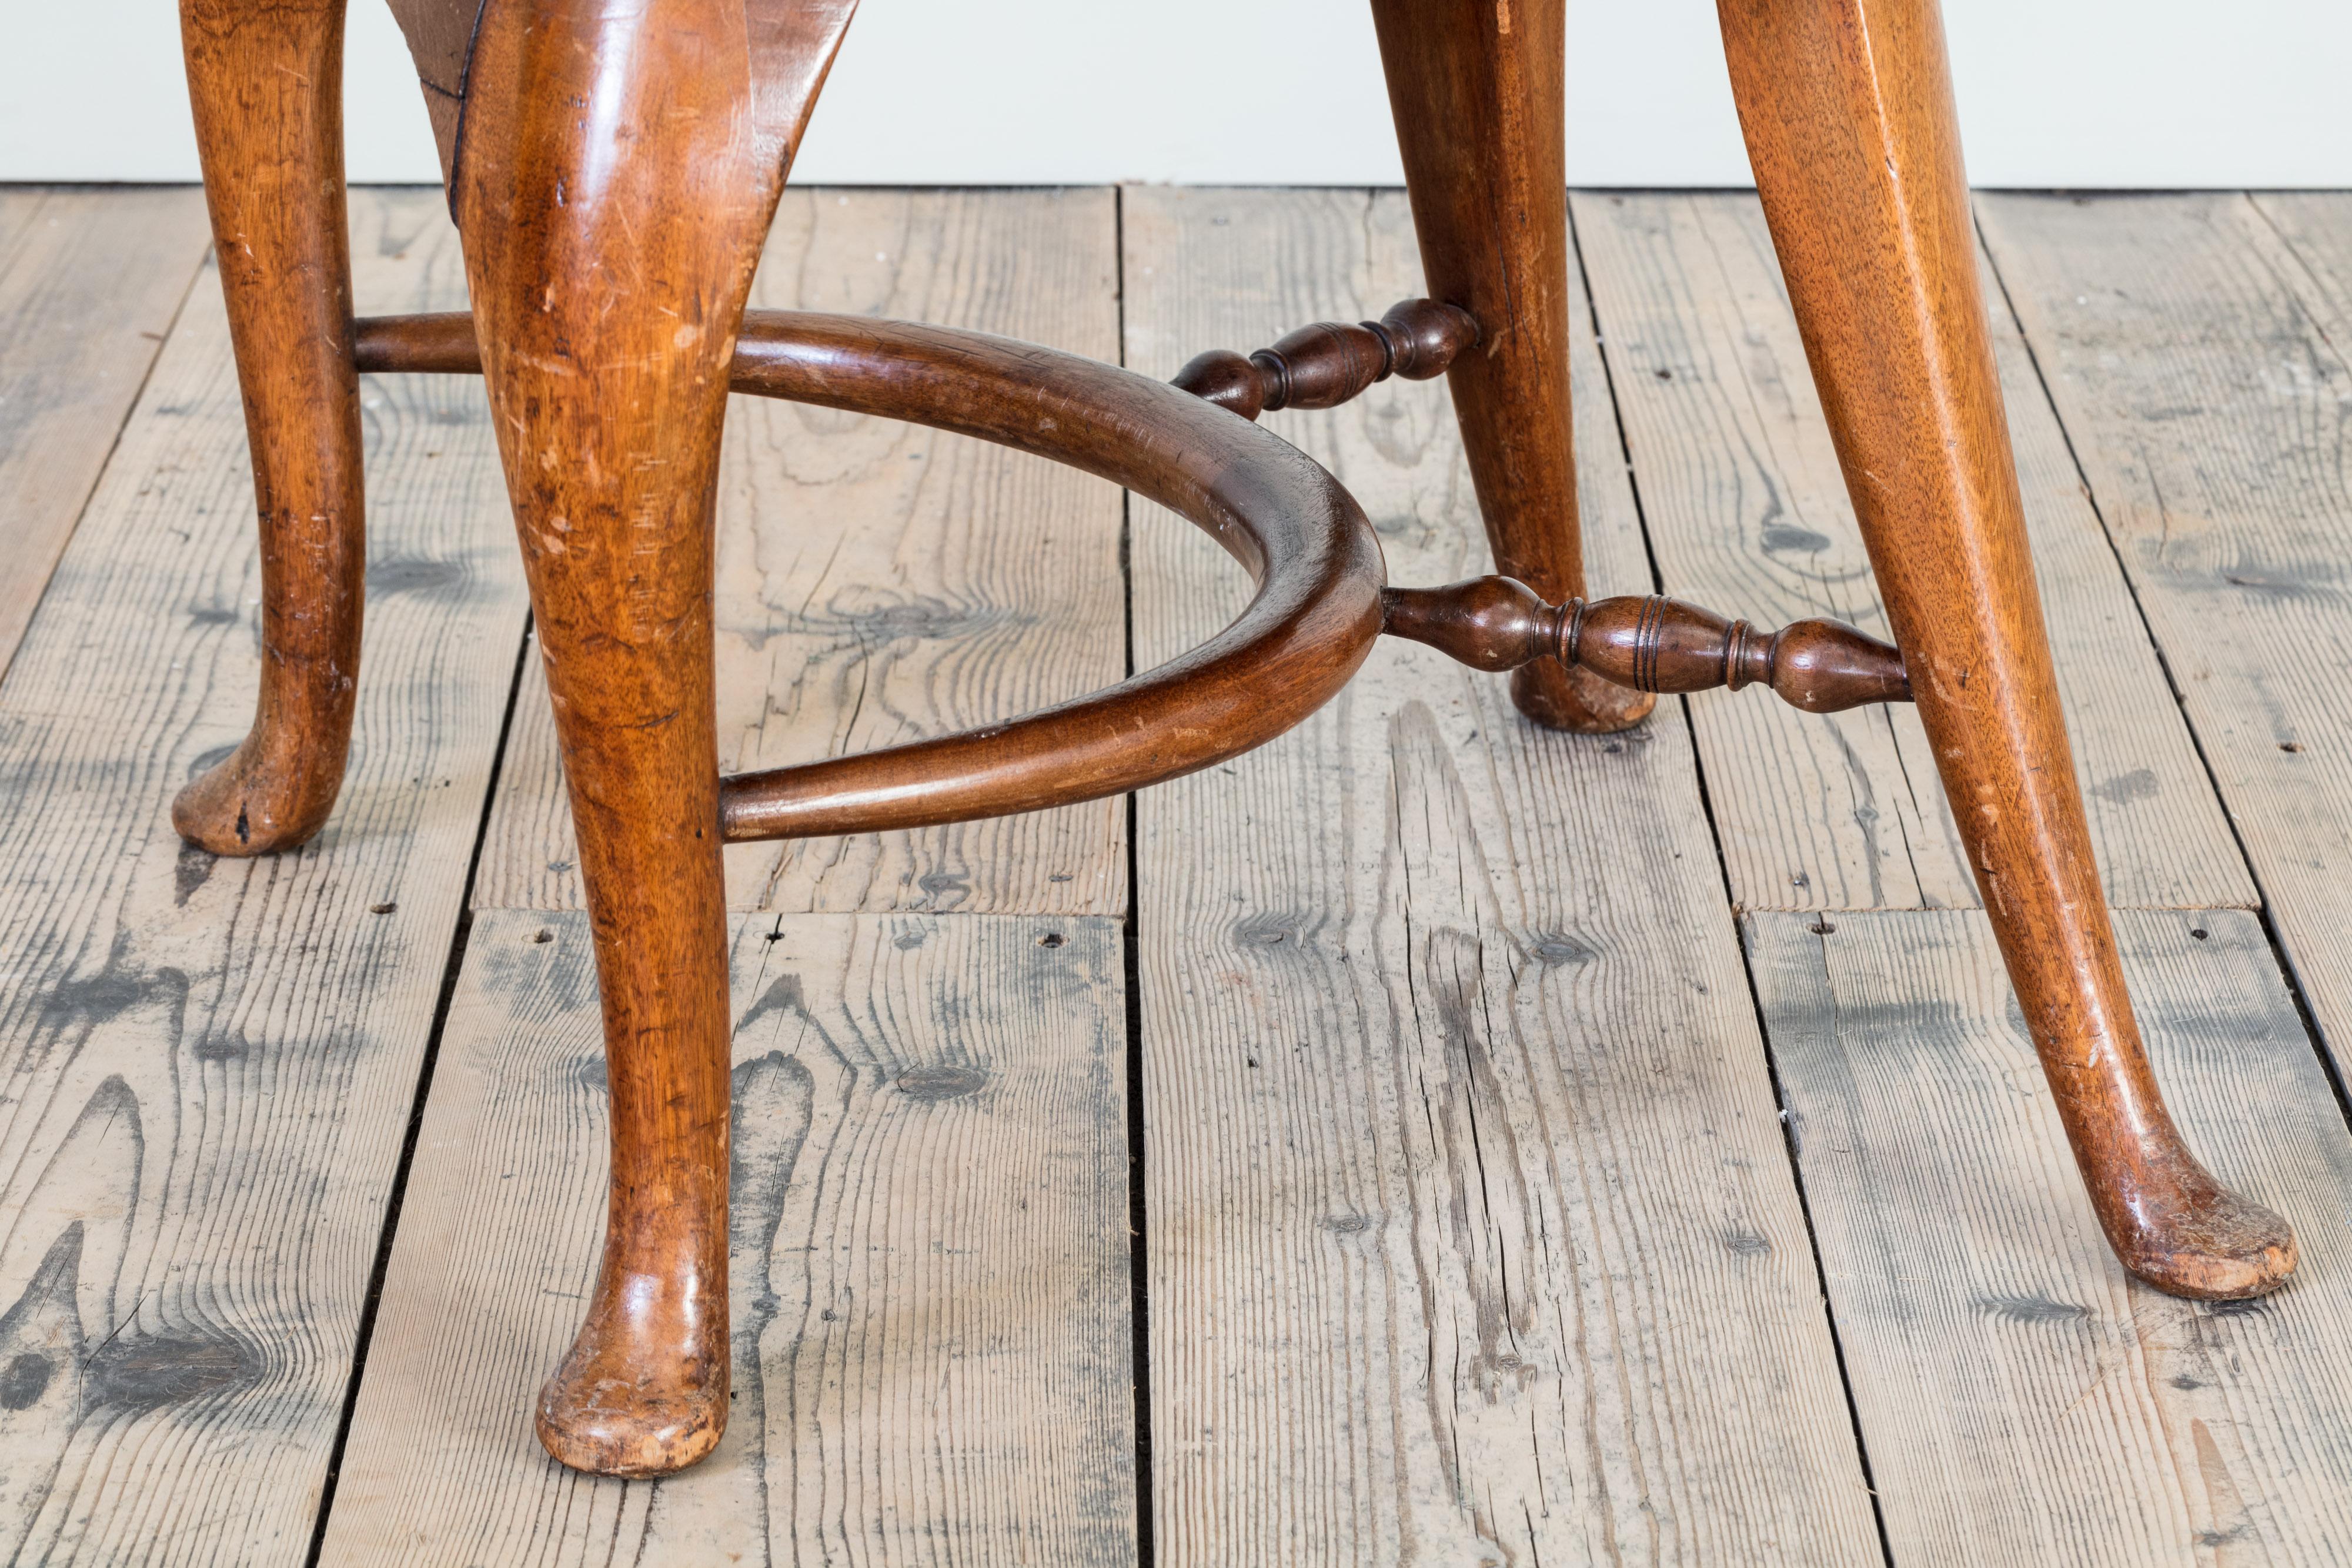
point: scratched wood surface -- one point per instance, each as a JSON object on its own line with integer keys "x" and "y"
{"x": 89, "y": 283}
{"x": 2022, "y": 1399}
{"x": 1471, "y": 1231}
{"x": 879, "y": 582}
{"x": 2198, "y": 360}
{"x": 209, "y": 1065}
{"x": 928, "y": 1255}
{"x": 1747, "y": 513}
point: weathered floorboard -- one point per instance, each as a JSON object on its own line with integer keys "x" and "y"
{"x": 90, "y": 284}
{"x": 209, "y": 1064}
{"x": 2187, "y": 346}
{"x": 2317, "y": 229}
{"x": 928, "y": 1260}
{"x": 2022, "y": 1398}
{"x": 1748, "y": 514}
{"x": 1471, "y": 1235}
{"x": 879, "y": 582}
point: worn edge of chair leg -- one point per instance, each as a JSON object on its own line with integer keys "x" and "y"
{"x": 1896, "y": 336}
{"x": 658, "y": 130}
{"x": 265, "y": 88}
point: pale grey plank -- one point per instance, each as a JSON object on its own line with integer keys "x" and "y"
{"x": 1472, "y": 1234}
{"x": 928, "y": 1260}
{"x": 89, "y": 283}
{"x": 207, "y": 1066}
{"x": 2023, "y": 1399}
{"x": 2185, "y": 347}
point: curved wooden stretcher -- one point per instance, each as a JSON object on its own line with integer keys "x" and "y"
{"x": 1322, "y": 594}
{"x": 613, "y": 166}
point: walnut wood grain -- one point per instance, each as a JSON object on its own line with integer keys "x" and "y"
{"x": 790, "y": 44}
{"x": 1847, "y": 109}
{"x": 1477, "y": 92}
{"x": 265, "y": 84}
{"x": 609, "y": 384}
{"x": 879, "y": 582}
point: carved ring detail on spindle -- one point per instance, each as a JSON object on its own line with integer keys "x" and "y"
{"x": 1327, "y": 364}
{"x": 1649, "y": 642}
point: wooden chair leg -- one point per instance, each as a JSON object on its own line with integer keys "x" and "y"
{"x": 613, "y": 197}
{"x": 1477, "y": 92}
{"x": 267, "y": 85}
{"x": 1847, "y": 109}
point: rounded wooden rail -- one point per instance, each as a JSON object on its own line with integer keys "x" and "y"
{"x": 1302, "y": 537}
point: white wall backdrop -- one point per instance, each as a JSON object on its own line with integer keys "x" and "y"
{"x": 2085, "y": 93}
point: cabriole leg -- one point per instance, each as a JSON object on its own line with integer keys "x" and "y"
{"x": 267, "y": 84}
{"x": 1477, "y": 92}
{"x": 613, "y": 195}
{"x": 1848, "y": 113}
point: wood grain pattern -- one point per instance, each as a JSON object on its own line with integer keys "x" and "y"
{"x": 1467, "y": 1193}
{"x": 2023, "y": 1399}
{"x": 209, "y": 1064}
{"x": 2186, "y": 344}
{"x": 1747, "y": 512}
{"x": 2317, "y": 229}
{"x": 1319, "y": 606}
{"x": 879, "y": 582}
{"x": 89, "y": 283}
{"x": 929, "y": 1259}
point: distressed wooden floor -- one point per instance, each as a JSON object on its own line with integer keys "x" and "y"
{"x": 1424, "y": 1140}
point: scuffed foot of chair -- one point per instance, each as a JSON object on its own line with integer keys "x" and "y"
{"x": 644, "y": 1391}
{"x": 257, "y": 802}
{"x": 2196, "y": 1239}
